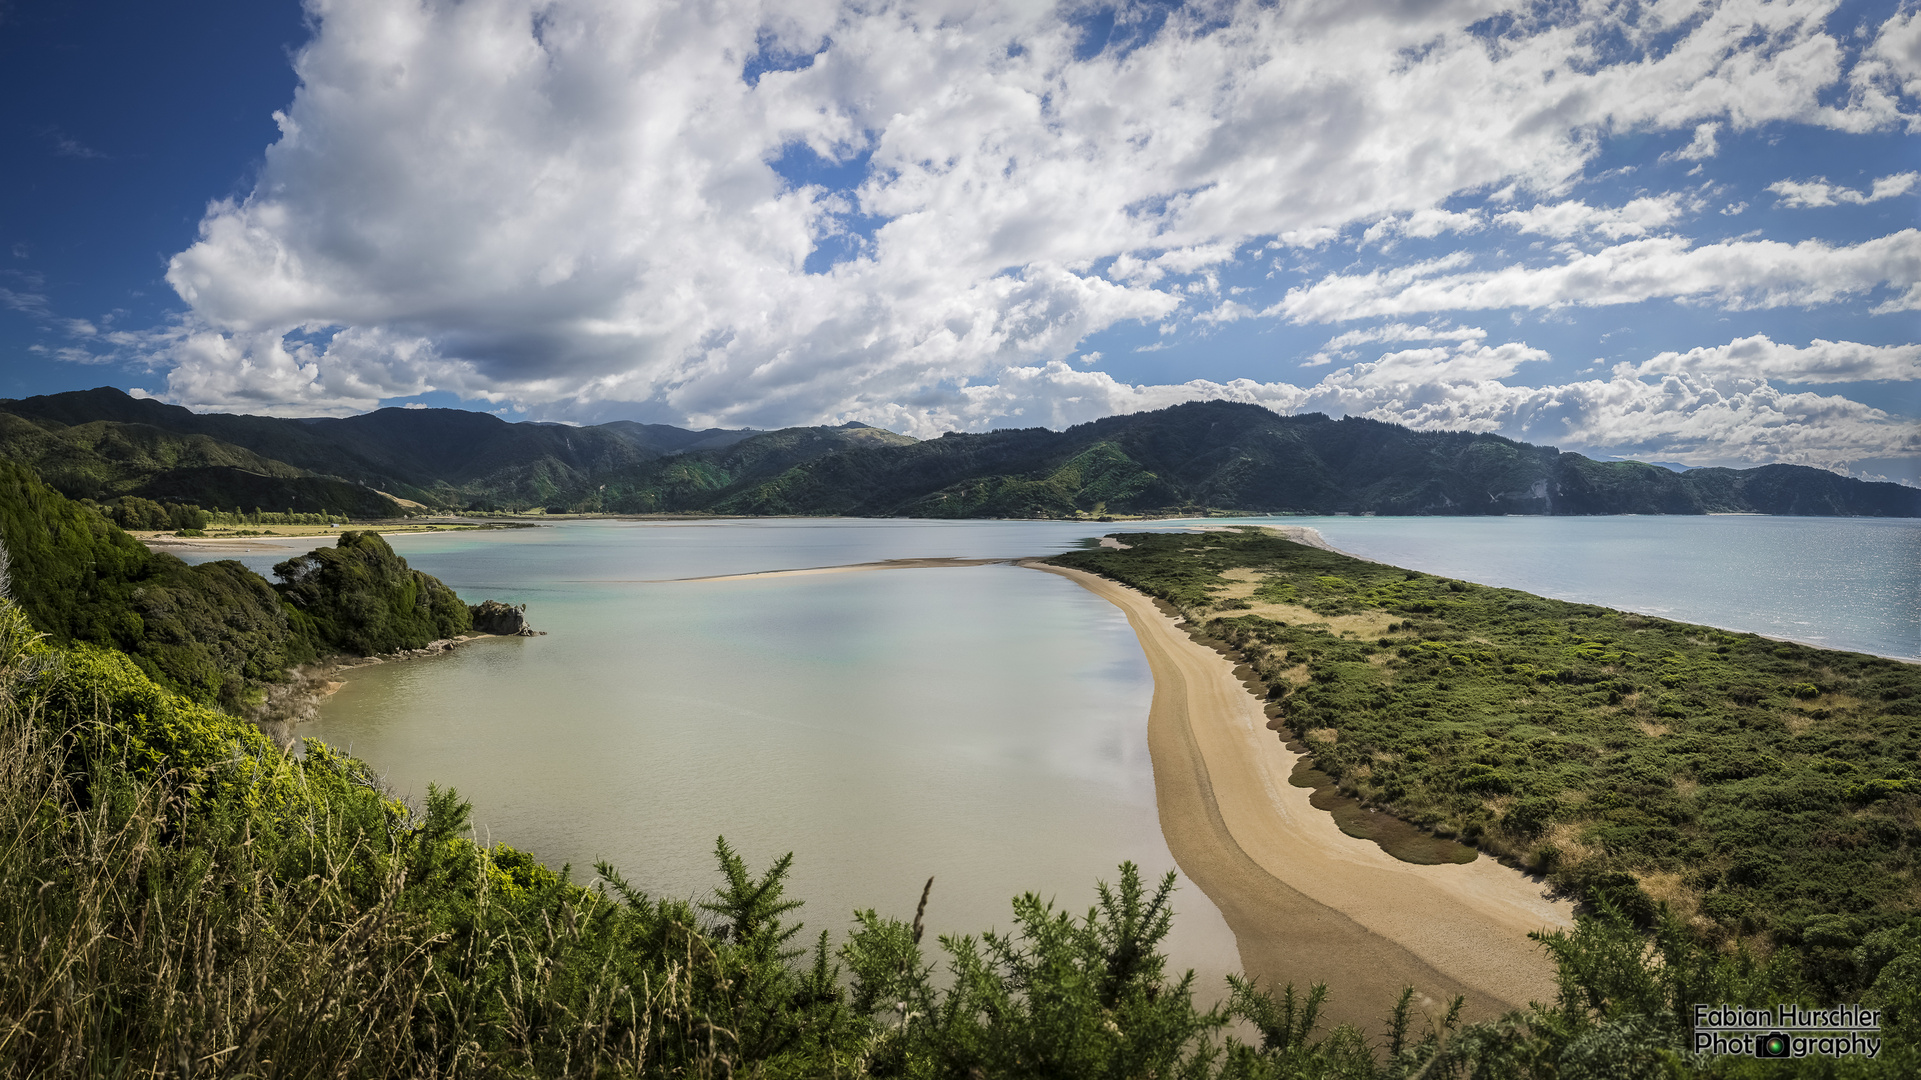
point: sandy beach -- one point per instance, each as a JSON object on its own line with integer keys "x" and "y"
{"x": 848, "y": 568}
{"x": 304, "y": 541}
{"x": 1307, "y": 902}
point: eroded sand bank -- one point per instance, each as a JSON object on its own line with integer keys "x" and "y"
{"x": 1306, "y": 902}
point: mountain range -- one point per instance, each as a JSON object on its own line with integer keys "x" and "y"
{"x": 1198, "y": 457}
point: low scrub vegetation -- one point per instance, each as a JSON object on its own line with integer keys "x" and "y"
{"x": 1763, "y": 791}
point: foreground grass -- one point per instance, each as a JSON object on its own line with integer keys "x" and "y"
{"x": 1763, "y": 790}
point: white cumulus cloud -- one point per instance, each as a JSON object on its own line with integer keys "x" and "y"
{"x": 1760, "y": 357}
{"x": 562, "y": 204}
{"x": 1738, "y": 274}
{"x": 1573, "y": 217}
{"x": 1818, "y": 192}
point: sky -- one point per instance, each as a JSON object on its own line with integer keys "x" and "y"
{"x": 1675, "y": 231}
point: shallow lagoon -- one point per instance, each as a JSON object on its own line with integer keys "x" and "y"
{"x": 983, "y": 725}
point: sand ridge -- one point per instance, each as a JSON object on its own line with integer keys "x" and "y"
{"x": 847, "y": 568}
{"x": 1307, "y": 902}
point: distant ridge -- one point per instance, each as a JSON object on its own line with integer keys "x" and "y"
{"x": 1197, "y": 457}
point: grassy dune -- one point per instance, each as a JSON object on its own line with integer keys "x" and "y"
{"x": 1764, "y": 791}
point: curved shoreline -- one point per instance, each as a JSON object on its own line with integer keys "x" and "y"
{"x": 1308, "y": 903}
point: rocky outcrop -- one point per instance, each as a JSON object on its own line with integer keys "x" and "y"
{"x": 507, "y": 620}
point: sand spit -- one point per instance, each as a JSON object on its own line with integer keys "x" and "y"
{"x": 849, "y": 568}
{"x": 303, "y": 542}
{"x": 1305, "y": 901}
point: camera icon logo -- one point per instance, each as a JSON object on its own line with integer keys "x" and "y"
{"x": 1772, "y": 1045}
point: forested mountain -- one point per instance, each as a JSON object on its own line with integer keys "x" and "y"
{"x": 1202, "y": 456}
{"x": 444, "y": 458}
{"x": 105, "y": 460}
{"x": 1224, "y": 456}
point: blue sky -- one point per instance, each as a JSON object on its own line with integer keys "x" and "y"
{"x": 1679, "y": 231}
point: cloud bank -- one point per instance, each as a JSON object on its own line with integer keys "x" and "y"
{"x": 915, "y": 213}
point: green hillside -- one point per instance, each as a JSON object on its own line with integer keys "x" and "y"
{"x": 1201, "y": 456}
{"x": 105, "y": 460}
{"x": 703, "y": 479}
{"x": 217, "y": 631}
{"x": 1243, "y": 458}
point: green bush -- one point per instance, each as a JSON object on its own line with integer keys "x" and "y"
{"x": 361, "y": 597}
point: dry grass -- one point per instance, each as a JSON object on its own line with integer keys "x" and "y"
{"x": 1671, "y": 888}
{"x": 1566, "y": 838}
{"x": 1244, "y": 583}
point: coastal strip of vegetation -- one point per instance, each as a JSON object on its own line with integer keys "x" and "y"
{"x": 1762, "y": 794}
{"x": 1304, "y": 902}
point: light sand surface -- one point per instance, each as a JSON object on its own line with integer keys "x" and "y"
{"x": 885, "y": 564}
{"x": 238, "y": 545}
{"x": 304, "y": 540}
{"x": 1308, "y": 903}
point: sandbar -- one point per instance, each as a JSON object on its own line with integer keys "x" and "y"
{"x": 845, "y": 568}
{"x": 1308, "y": 903}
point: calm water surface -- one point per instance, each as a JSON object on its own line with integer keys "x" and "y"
{"x": 1841, "y": 583}
{"x": 984, "y": 725}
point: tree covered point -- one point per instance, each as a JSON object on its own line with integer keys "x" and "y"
{"x": 361, "y": 597}
{"x": 216, "y": 632}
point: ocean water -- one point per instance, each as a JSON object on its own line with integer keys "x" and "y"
{"x": 1840, "y": 583}
{"x": 984, "y": 726}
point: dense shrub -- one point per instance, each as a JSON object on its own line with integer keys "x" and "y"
{"x": 217, "y": 632}
{"x": 1752, "y": 783}
{"x": 362, "y": 598}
